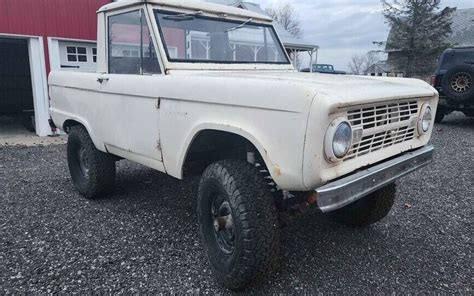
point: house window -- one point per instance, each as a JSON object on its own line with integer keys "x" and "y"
{"x": 130, "y": 53}
{"x": 94, "y": 54}
{"x": 76, "y": 54}
{"x": 173, "y": 52}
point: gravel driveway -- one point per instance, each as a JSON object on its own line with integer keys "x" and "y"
{"x": 144, "y": 238}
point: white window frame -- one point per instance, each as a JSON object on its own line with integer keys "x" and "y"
{"x": 76, "y": 54}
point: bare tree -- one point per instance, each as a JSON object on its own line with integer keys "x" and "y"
{"x": 361, "y": 63}
{"x": 372, "y": 58}
{"x": 357, "y": 63}
{"x": 286, "y": 16}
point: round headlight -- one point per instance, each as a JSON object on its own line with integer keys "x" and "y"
{"x": 338, "y": 139}
{"x": 424, "y": 123}
{"x": 342, "y": 141}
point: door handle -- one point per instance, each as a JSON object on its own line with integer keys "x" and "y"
{"x": 102, "y": 79}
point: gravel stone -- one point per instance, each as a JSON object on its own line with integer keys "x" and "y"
{"x": 144, "y": 238}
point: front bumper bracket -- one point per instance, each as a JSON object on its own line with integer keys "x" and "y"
{"x": 347, "y": 190}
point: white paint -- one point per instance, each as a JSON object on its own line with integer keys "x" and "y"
{"x": 58, "y": 54}
{"x": 39, "y": 85}
{"x": 206, "y": 7}
{"x": 39, "y": 82}
{"x": 283, "y": 113}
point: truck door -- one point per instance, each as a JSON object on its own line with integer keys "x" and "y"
{"x": 131, "y": 125}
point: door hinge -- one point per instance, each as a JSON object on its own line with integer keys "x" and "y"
{"x": 158, "y": 103}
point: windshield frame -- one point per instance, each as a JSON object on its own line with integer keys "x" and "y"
{"x": 157, "y": 10}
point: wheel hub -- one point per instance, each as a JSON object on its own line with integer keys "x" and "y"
{"x": 223, "y": 225}
{"x": 461, "y": 82}
{"x": 83, "y": 162}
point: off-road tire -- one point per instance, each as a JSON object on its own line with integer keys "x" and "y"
{"x": 255, "y": 223}
{"x": 441, "y": 112}
{"x": 469, "y": 113}
{"x": 100, "y": 179}
{"x": 453, "y": 90}
{"x": 367, "y": 210}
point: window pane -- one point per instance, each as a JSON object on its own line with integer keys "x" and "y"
{"x": 131, "y": 49}
{"x": 94, "y": 51}
{"x": 199, "y": 38}
{"x": 124, "y": 35}
{"x": 71, "y": 58}
{"x": 94, "y": 59}
{"x": 149, "y": 58}
{"x": 81, "y": 50}
{"x": 71, "y": 49}
{"x": 82, "y": 58}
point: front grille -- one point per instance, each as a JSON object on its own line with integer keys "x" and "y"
{"x": 379, "y": 115}
{"x": 374, "y": 126}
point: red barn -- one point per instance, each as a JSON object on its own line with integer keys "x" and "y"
{"x": 35, "y": 37}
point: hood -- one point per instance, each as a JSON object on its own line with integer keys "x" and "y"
{"x": 293, "y": 91}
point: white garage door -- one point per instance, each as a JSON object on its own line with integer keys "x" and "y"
{"x": 78, "y": 56}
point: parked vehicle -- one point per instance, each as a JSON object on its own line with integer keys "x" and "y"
{"x": 324, "y": 68}
{"x": 178, "y": 89}
{"x": 454, "y": 80}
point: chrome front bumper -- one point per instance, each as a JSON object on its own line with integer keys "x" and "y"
{"x": 347, "y": 190}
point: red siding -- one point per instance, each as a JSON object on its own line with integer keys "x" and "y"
{"x": 74, "y": 19}
{"x": 176, "y": 38}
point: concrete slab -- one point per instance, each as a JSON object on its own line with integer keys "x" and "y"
{"x": 14, "y": 134}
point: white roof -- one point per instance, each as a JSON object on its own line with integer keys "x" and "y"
{"x": 194, "y": 5}
{"x": 287, "y": 39}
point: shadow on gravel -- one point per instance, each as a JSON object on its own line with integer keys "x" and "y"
{"x": 316, "y": 252}
{"x": 314, "y": 249}
{"x": 457, "y": 119}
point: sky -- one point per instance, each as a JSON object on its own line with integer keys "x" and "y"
{"x": 343, "y": 28}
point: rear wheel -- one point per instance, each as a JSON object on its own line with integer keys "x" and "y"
{"x": 368, "y": 210}
{"x": 458, "y": 83}
{"x": 92, "y": 171}
{"x": 238, "y": 223}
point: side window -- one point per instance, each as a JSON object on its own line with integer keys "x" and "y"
{"x": 148, "y": 54}
{"x": 131, "y": 49}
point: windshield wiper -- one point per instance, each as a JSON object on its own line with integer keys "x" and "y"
{"x": 239, "y": 26}
{"x": 183, "y": 16}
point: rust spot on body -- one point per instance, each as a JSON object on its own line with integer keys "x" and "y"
{"x": 276, "y": 170}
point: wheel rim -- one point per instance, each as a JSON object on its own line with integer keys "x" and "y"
{"x": 461, "y": 82}
{"x": 83, "y": 162}
{"x": 222, "y": 224}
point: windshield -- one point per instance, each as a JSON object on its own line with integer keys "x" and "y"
{"x": 191, "y": 38}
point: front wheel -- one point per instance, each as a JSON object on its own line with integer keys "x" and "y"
{"x": 92, "y": 171}
{"x": 238, "y": 223}
{"x": 367, "y": 210}
{"x": 469, "y": 113}
{"x": 440, "y": 114}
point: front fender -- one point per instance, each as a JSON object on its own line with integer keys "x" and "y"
{"x": 280, "y": 145}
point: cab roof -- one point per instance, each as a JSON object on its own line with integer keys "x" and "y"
{"x": 192, "y": 5}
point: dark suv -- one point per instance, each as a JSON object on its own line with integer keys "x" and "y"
{"x": 454, "y": 79}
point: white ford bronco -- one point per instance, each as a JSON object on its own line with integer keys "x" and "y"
{"x": 192, "y": 88}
